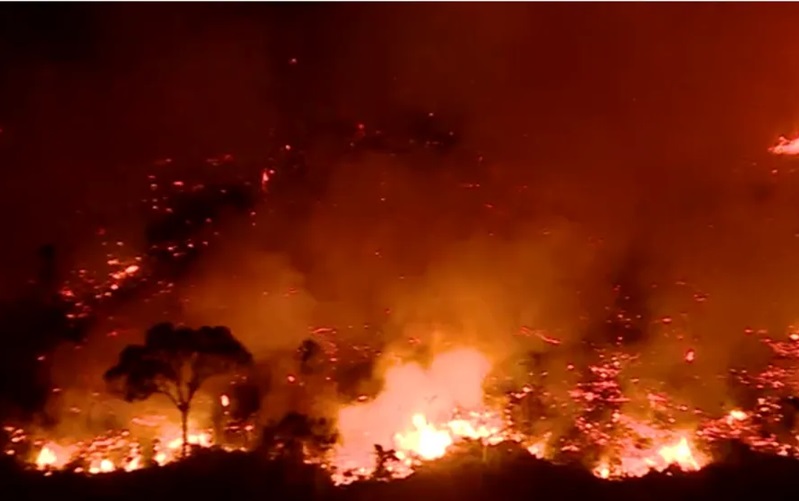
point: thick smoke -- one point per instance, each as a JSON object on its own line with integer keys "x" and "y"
{"x": 602, "y": 159}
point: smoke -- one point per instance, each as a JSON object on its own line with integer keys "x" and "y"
{"x": 588, "y": 164}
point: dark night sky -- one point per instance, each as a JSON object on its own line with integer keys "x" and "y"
{"x": 90, "y": 95}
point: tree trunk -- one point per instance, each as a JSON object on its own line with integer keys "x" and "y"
{"x": 184, "y": 422}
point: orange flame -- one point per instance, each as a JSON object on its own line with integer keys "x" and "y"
{"x": 413, "y": 416}
{"x": 101, "y": 455}
{"x": 785, "y": 146}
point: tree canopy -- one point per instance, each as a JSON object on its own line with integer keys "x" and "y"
{"x": 175, "y": 362}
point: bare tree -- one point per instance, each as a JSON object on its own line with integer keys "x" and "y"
{"x": 176, "y": 361}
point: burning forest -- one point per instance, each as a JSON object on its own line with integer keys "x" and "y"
{"x": 363, "y": 403}
{"x": 387, "y": 283}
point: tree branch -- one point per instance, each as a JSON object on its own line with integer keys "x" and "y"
{"x": 169, "y": 395}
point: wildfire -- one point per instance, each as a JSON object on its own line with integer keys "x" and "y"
{"x": 431, "y": 410}
{"x": 427, "y": 412}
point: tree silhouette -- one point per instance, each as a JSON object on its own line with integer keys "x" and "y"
{"x": 295, "y": 434}
{"x": 175, "y": 361}
{"x": 310, "y": 356}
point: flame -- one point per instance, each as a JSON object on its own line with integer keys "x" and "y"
{"x": 736, "y": 415}
{"x": 425, "y": 440}
{"x": 53, "y": 456}
{"x": 135, "y": 462}
{"x": 419, "y": 415}
{"x": 635, "y": 463}
{"x": 118, "y": 452}
{"x": 422, "y": 413}
{"x": 785, "y": 146}
{"x": 680, "y": 454}
{"x": 103, "y": 465}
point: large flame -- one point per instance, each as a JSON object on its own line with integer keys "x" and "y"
{"x": 420, "y": 413}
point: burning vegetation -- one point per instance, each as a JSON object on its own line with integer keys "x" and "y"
{"x": 623, "y": 388}
{"x": 425, "y": 408}
{"x": 424, "y": 412}
{"x": 421, "y": 414}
